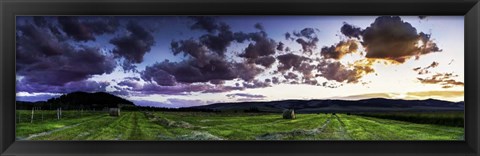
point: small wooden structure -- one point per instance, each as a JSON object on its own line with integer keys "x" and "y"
{"x": 289, "y": 114}
{"x": 114, "y": 111}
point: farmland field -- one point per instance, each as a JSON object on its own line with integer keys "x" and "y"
{"x": 138, "y": 125}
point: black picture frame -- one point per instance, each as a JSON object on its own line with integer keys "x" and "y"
{"x": 470, "y": 9}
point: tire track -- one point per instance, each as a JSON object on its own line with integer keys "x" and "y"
{"x": 137, "y": 133}
{"x": 375, "y": 135}
{"x": 343, "y": 132}
{"x": 294, "y": 133}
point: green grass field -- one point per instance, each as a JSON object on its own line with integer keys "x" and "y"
{"x": 136, "y": 125}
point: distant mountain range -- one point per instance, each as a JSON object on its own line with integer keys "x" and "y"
{"x": 100, "y": 100}
{"x": 315, "y": 106}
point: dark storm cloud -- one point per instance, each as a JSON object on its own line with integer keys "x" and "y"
{"x": 275, "y": 80}
{"x": 266, "y": 61}
{"x": 339, "y": 50}
{"x": 306, "y": 69}
{"x": 130, "y": 83}
{"x": 219, "y": 35}
{"x": 280, "y": 46}
{"x": 42, "y": 59}
{"x": 308, "y": 33}
{"x": 161, "y": 77}
{"x": 259, "y": 26}
{"x": 189, "y": 47}
{"x": 291, "y": 76}
{"x": 390, "y": 38}
{"x": 247, "y": 72}
{"x": 86, "y": 86}
{"x": 218, "y": 43}
{"x": 351, "y": 31}
{"x": 288, "y": 36}
{"x": 307, "y": 38}
{"x": 262, "y": 46}
{"x": 134, "y": 46}
{"x": 207, "y": 23}
{"x": 308, "y": 46}
{"x": 338, "y": 72}
{"x": 188, "y": 71}
{"x": 289, "y": 61}
{"x": 81, "y": 29}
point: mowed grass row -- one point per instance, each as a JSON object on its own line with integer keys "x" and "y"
{"x": 309, "y": 127}
{"x": 370, "y": 128}
{"x": 233, "y": 126}
{"x": 241, "y": 127}
{"x": 129, "y": 126}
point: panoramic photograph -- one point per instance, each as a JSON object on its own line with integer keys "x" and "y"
{"x": 243, "y": 78}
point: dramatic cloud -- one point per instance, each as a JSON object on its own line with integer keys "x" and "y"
{"x": 189, "y": 71}
{"x": 280, "y": 46}
{"x": 207, "y": 23}
{"x": 245, "y": 95}
{"x": 42, "y": 59}
{"x": 256, "y": 84}
{"x": 291, "y": 76}
{"x": 444, "y": 79}
{"x": 339, "y": 50}
{"x": 86, "y": 86}
{"x": 338, "y": 72}
{"x": 150, "y": 88}
{"x": 425, "y": 70}
{"x": 351, "y": 31}
{"x": 289, "y": 61}
{"x": 390, "y": 38}
{"x": 247, "y": 72}
{"x": 84, "y": 29}
{"x": 222, "y": 88}
{"x": 307, "y": 38}
{"x": 218, "y": 43}
{"x": 130, "y": 83}
{"x": 262, "y": 47}
{"x": 191, "y": 48}
{"x": 133, "y": 46}
{"x": 266, "y": 61}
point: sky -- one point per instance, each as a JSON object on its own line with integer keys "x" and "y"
{"x": 183, "y": 61}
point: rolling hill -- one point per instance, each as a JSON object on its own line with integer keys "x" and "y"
{"x": 315, "y": 106}
{"x": 79, "y": 100}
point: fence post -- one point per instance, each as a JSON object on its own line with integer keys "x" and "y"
{"x": 31, "y": 119}
{"x": 58, "y": 114}
{"x": 42, "y": 113}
